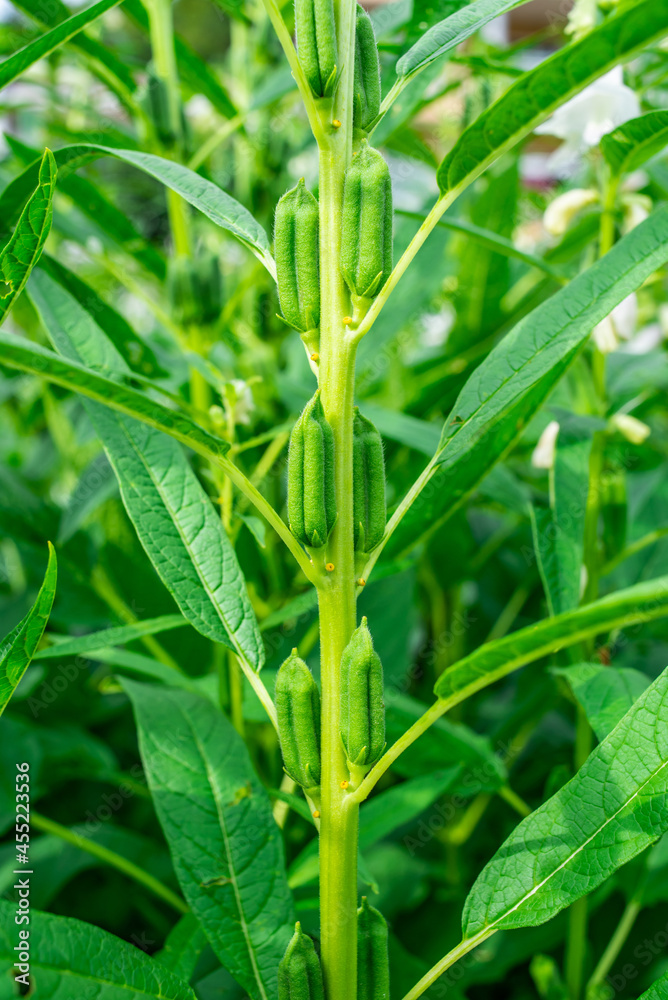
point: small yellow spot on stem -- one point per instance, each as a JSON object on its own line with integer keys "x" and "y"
{"x": 344, "y": 784}
{"x": 347, "y": 320}
{"x": 362, "y": 582}
{"x": 316, "y": 814}
{"x": 336, "y": 123}
{"x": 329, "y": 567}
{"x": 315, "y": 356}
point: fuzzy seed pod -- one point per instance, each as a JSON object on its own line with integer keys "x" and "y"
{"x": 316, "y": 44}
{"x": 299, "y": 972}
{"x": 311, "y": 498}
{"x": 195, "y": 289}
{"x": 366, "y": 233}
{"x": 366, "y": 99}
{"x": 369, "y": 510}
{"x": 362, "y": 718}
{"x": 298, "y": 710}
{"x": 297, "y": 255}
{"x": 373, "y": 963}
{"x": 156, "y": 103}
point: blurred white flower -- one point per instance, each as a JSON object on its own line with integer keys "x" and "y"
{"x": 543, "y": 453}
{"x": 243, "y": 400}
{"x": 588, "y": 116}
{"x": 619, "y": 325}
{"x": 435, "y": 327}
{"x": 582, "y": 18}
{"x": 561, "y": 212}
{"x": 631, "y": 428}
{"x": 636, "y": 209}
{"x": 646, "y": 340}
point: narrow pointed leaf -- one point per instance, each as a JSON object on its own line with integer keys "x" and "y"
{"x": 506, "y": 390}
{"x": 174, "y": 518}
{"x": 24, "y": 249}
{"x": 118, "y": 636}
{"x": 605, "y": 693}
{"x": 70, "y": 959}
{"x": 18, "y": 648}
{"x": 630, "y": 146}
{"x": 216, "y": 816}
{"x": 31, "y": 53}
{"x": 635, "y": 605}
{"x": 658, "y": 990}
{"x": 614, "y": 808}
{"x": 539, "y": 92}
{"x": 448, "y": 33}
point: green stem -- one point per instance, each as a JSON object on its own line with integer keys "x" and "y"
{"x": 110, "y": 858}
{"x": 615, "y": 945}
{"x": 463, "y": 948}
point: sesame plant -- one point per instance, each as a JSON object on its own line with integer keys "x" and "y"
{"x": 383, "y": 613}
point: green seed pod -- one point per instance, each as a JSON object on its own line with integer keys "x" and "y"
{"x": 195, "y": 289}
{"x": 298, "y": 711}
{"x": 156, "y": 103}
{"x": 311, "y": 498}
{"x": 369, "y": 510}
{"x": 373, "y": 963}
{"x": 366, "y": 98}
{"x": 366, "y": 233}
{"x": 315, "y": 26}
{"x": 362, "y": 717}
{"x": 299, "y": 972}
{"x": 297, "y": 255}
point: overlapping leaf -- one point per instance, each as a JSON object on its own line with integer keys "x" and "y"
{"x": 630, "y": 145}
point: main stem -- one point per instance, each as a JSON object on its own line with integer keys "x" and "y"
{"x": 336, "y": 590}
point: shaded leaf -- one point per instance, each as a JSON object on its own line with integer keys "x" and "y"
{"x": 80, "y": 645}
{"x": 605, "y": 693}
{"x": 636, "y": 141}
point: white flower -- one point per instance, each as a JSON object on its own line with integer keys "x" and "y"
{"x": 646, "y": 340}
{"x": 243, "y": 403}
{"x": 582, "y": 18}
{"x": 561, "y": 212}
{"x": 619, "y": 325}
{"x": 587, "y": 117}
{"x": 543, "y": 453}
{"x": 631, "y": 428}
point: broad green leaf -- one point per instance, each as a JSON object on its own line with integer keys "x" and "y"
{"x": 96, "y": 484}
{"x": 79, "y": 646}
{"x": 404, "y": 428}
{"x": 402, "y": 804}
{"x": 18, "y": 648}
{"x": 658, "y": 991}
{"x": 614, "y": 807}
{"x": 199, "y": 192}
{"x": 31, "y": 53}
{"x": 216, "y": 816}
{"x": 558, "y": 530}
{"x": 23, "y": 251}
{"x": 539, "y": 92}
{"x": 17, "y": 352}
{"x": 447, "y": 34}
{"x": 506, "y": 390}
{"x": 185, "y": 943}
{"x": 102, "y": 61}
{"x": 636, "y": 141}
{"x": 635, "y": 605}
{"x": 174, "y": 519}
{"x": 70, "y": 959}
{"x": 605, "y": 693}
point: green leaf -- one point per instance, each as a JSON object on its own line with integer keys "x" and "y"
{"x": 489, "y": 663}
{"x": 202, "y": 194}
{"x": 18, "y": 648}
{"x": 539, "y": 92}
{"x": 174, "y": 518}
{"x": 636, "y": 141}
{"x": 506, "y": 390}
{"x": 226, "y": 848}
{"x": 402, "y": 804}
{"x": 17, "y": 352}
{"x": 81, "y": 645}
{"x": 605, "y": 693}
{"x": 70, "y": 960}
{"x": 558, "y": 530}
{"x": 31, "y": 53}
{"x": 447, "y": 34}
{"x": 185, "y": 943}
{"x": 614, "y": 807}
{"x": 658, "y": 990}
{"x": 23, "y": 251}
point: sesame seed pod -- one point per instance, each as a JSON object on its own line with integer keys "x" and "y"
{"x": 366, "y": 100}
{"x": 362, "y": 718}
{"x": 369, "y": 509}
{"x": 311, "y": 496}
{"x": 315, "y": 26}
{"x": 296, "y": 249}
{"x": 299, "y": 972}
{"x": 373, "y": 963}
{"x": 298, "y": 710}
{"x": 366, "y": 231}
